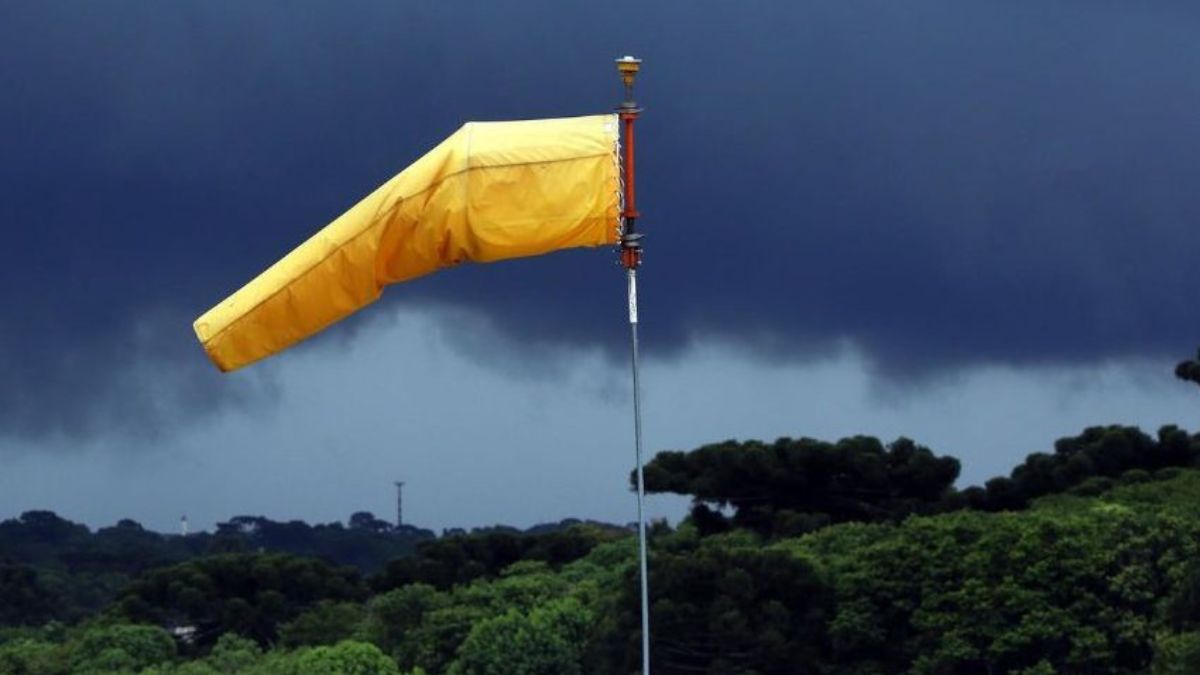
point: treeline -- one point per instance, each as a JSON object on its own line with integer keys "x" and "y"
{"x": 174, "y": 580}
{"x": 461, "y": 559}
{"x": 44, "y": 539}
{"x": 280, "y": 613}
{"x": 365, "y": 542}
{"x": 1101, "y": 585}
{"x": 794, "y": 486}
{"x": 800, "y": 556}
{"x": 262, "y": 595}
{"x": 52, "y": 569}
{"x": 117, "y": 649}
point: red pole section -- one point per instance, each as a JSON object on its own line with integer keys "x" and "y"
{"x": 630, "y": 201}
{"x": 631, "y": 248}
{"x": 631, "y": 245}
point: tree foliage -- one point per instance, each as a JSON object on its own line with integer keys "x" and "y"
{"x": 1097, "y": 453}
{"x": 24, "y": 598}
{"x": 463, "y": 558}
{"x": 796, "y": 485}
{"x": 347, "y": 658}
{"x": 547, "y": 640}
{"x": 790, "y": 487}
{"x": 837, "y": 558}
{"x": 248, "y": 594}
{"x": 119, "y": 648}
{"x": 721, "y": 604}
{"x": 1189, "y": 370}
{"x": 327, "y": 623}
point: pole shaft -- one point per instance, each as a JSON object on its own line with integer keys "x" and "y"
{"x": 641, "y": 485}
{"x": 631, "y": 258}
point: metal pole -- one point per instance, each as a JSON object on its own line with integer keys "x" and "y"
{"x": 399, "y": 504}
{"x": 631, "y": 258}
{"x": 641, "y": 485}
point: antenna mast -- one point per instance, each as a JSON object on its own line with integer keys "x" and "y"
{"x": 399, "y": 504}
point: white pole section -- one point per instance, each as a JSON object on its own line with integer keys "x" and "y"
{"x": 641, "y": 486}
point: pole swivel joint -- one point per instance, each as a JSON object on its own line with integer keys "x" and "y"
{"x": 631, "y": 250}
{"x": 628, "y": 66}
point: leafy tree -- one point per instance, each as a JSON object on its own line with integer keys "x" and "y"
{"x": 39, "y": 533}
{"x": 347, "y": 658}
{"x": 977, "y": 593}
{"x": 120, "y": 647}
{"x": 1177, "y": 654}
{"x": 365, "y": 520}
{"x": 233, "y": 654}
{"x": 460, "y": 559}
{"x": 434, "y": 643}
{"x": 721, "y": 605}
{"x": 549, "y": 640}
{"x": 251, "y": 595}
{"x": 31, "y": 657}
{"x": 792, "y": 486}
{"x": 325, "y": 624}
{"x": 394, "y": 616}
{"x": 24, "y": 600}
{"x": 1098, "y": 452}
{"x": 446, "y": 619}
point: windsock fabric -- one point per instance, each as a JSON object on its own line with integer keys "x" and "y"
{"x": 491, "y": 191}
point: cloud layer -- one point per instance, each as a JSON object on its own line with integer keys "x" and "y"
{"x": 941, "y": 184}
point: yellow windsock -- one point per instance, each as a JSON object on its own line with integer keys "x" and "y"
{"x": 491, "y": 191}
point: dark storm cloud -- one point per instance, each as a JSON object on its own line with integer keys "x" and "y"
{"x": 941, "y": 183}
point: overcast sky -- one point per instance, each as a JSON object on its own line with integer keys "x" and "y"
{"x": 967, "y": 222}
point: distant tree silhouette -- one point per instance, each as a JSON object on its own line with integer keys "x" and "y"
{"x": 365, "y": 520}
{"x": 462, "y": 558}
{"x": 797, "y": 485}
{"x": 1081, "y": 463}
{"x": 1189, "y": 371}
{"x": 791, "y": 486}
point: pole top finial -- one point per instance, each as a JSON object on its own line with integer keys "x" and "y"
{"x": 628, "y": 67}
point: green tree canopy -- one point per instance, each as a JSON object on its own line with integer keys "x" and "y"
{"x": 119, "y": 648}
{"x": 548, "y": 640}
{"x": 346, "y": 658}
{"x": 722, "y": 605}
{"x": 248, "y": 594}
{"x": 460, "y": 559}
{"x": 793, "y": 485}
